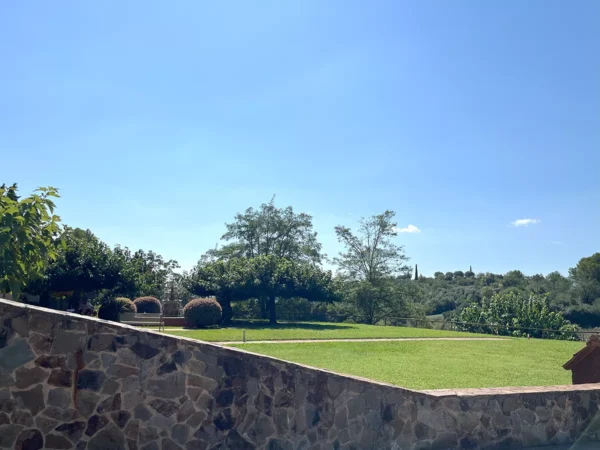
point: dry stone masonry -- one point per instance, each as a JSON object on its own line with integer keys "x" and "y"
{"x": 72, "y": 382}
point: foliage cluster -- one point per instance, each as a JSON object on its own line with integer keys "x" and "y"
{"x": 147, "y": 305}
{"x": 271, "y": 263}
{"x": 516, "y": 314}
{"x": 202, "y": 312}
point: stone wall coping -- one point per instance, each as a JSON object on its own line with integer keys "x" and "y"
{"x": 434, "y": 393}
{"x": 571, "y": 389}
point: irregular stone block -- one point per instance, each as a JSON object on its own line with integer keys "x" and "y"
{"x": 205, "y": 383}
{"x": 196, "y": 419}
{"x": 67, "y": 342}
{"x": 161, "y": 422}
{"x": 16, "y": 354}
{"x": 20, "y": 324}
{"x": 168, "y": 444}
{"x": 110, "y": 387}
{"x": 185, "y": 411}
{"x": 120, "y": 418}
{"x": 86, "y": 402}
{"x": 141, "y": 412}
{"x": 26, "y": 377}
{"x": 166, "y": 368}
{"x": 56, "y": 441}
{"x": 182, "y": 356}
{"x": 120, "y": 371}
{"x": 170, "y": 386}
{"x": 22, "y": 418}
{"x": 95, "y": 423}
{"x": 110, "y": 404}
{"x": 132, "y": 429}
{"x": 6, "y": 380}
{"x": 61, "y": 378}
{"x": 145, "y": 351}
{"x": 235, "y": 441}
{"x": 101, "y": 342}
{"x": 110, "y": 437}
{"x": 29, "y": 440}
{"x": 51, "y": 361}
{"x": 8, "y": 435}
{"x": 72, "y": 431}
{"x": 41, "y": 323}
{"x": 92, "y": 380}
{"x": 164, "y": 407}
{"x": 131, "y": 399}
{"x": 59, "y": 414}
{"x": 180, "y": 433}
{"x": 147, "y": 434}
{"x": 33, "y": 399}
{"x": 41, "y": 344}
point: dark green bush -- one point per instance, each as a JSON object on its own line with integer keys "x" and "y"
{"x": 127, "y": 306}
{"x": 586, "y": 316}
{"x": 148, "y": 305}
{"x": 112, "y": 307}
{"x": 202, "y": 312}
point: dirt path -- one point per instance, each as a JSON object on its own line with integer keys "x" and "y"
{"x": 308, "y": 341}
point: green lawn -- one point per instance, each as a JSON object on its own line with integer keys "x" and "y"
{"x": 437, "y": 364}
{"x": 261, "y": 331}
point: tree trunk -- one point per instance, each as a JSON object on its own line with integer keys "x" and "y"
{"x": 272, "y": 311}
{"x": 227, "y": 311}
{"x": 264, "y": 307}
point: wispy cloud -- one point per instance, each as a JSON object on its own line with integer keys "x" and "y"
{"x": 524, "y": 222}
{"x": 555, "y": 242}
{"x": 408, "y": 229}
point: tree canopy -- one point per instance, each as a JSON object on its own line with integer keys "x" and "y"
{"x": 371, "y": 253}
{"x": 271, "y": 231}
{"x": 28, "y": 230}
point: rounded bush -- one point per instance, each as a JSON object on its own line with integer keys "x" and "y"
{"x": 202, "y": 312}
{"x": 127, "y": 306}
{"x": 112, "y": 307}
{"x": 148, "y": 305}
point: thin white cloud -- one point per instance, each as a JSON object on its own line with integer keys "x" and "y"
{"x": 408, "y": 229}
{"x": 524, "y": 222}
{"x": 555, "y": 242}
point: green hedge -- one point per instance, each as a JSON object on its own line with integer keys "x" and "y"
{"x": 148, "y": 305}
{"x": 202, "y": 312}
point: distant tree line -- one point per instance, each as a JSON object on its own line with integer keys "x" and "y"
{"x": 271, "y": 265}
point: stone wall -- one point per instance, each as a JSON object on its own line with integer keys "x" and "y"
{"x": 68, "y": 381}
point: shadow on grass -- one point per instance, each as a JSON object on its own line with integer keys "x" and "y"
{"x": 264, "y": 325}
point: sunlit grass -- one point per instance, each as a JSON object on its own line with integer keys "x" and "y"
{"x": 437, "y": 364}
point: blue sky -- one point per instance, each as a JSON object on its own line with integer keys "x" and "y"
{"x": 159, "y": 121}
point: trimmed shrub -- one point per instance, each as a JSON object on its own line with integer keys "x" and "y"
{"x": 112, "y": 307}
{"x": 127, "y": 306}
{"x": 148, "y": 305}
{"x": 202, "y": 312}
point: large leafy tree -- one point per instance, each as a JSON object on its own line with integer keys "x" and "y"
{"x": 28, "y": 229}
{"x": 144, "y": 273}
{"x": 84, "y": 264}
{"x": 373, "y": 264}
{"x": 586, "y": 279}
{"x": 371, "y": 253}
{"x": 270, "y": 277}
{"x": 278, "y": 278}
{"x": 271, "y": 231}
{"x": 228, "y": 280}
